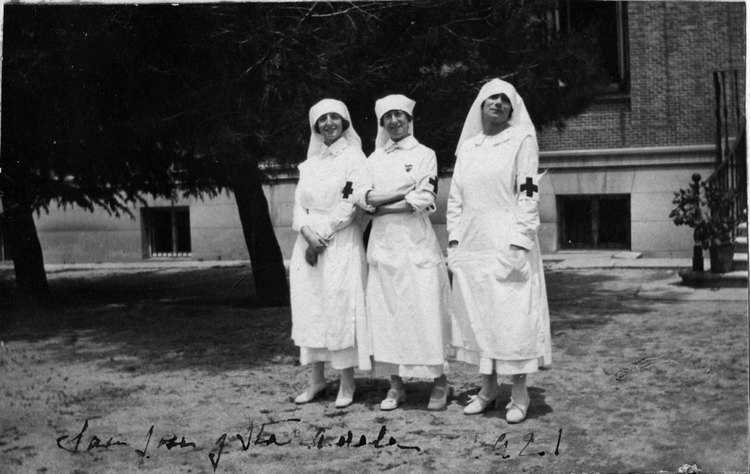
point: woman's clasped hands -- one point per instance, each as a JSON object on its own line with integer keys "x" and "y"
{"x": 317, "y": 245}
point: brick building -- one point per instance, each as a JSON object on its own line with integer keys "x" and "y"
{"x": 612, "y": 170}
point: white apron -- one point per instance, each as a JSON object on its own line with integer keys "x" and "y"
{"x": 327, "y": 300}
{"x": 407, "y": 289}
{"x": 499, "y": 301}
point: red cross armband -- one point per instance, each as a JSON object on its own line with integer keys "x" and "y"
{"x": 422, "y": 199}
{"x": 528, "y": 186}
{"x": 347, "y": 191}
{"x": 434, "y": 183}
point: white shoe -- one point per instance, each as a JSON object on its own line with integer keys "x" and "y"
{"x": 393, "y": 398}
{"x": 439, "y": 402}
{"x": 343, "y": 401}
{"x": 516, "y": 411}
{"x": 309, "y": 395}
{"x": 479, "y": 402}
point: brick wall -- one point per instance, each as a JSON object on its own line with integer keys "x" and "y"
{"x": 674, "y": 49}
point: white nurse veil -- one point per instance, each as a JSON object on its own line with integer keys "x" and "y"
{"x": 386, "y": 104}
{"x": 473, "y": 123}
{"x": 326, "y": 106}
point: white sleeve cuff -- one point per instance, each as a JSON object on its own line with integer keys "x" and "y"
{"x": 359, "y": 197}
{"x": 421, "y": 200}
{"x": 522, "y": 241}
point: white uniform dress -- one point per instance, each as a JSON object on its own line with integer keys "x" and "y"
{"x": 407, "y": 288}
{"x": 328, "y": 313}
{"x": 499, "y": 301}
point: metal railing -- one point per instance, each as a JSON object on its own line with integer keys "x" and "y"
{"x": 731, "y": 144}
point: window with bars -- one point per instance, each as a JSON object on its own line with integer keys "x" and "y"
{"x": 594, "y": 221}
{"x": 167, "y": 231}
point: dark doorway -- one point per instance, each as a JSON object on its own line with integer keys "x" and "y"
{"x": 5, "y": 248}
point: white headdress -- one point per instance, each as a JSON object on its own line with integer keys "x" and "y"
{"x": 327, "y": 106}
{"x": 519, "y": 117}
{"x": 386, "y": 104}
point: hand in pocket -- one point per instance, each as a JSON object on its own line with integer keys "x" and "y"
{"x": 512, "y": 265}
{"x": 518, "y": 256}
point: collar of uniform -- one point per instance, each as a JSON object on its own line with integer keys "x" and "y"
{"x": 335, "y": 149}
{"x": 406, "y": 143}
{"x": 493, "y": 140}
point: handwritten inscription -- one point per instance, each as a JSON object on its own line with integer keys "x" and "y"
{"x": 529, "y": 438}
{"x": 319, "y": 440}
{"x": 362, "y": 441}
{"x": 94, "y": 442}
{"x": 216, "y": 457}
{"x": 264, "y": 438}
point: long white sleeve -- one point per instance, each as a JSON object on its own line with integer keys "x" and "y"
{"x": 364, "y": 184}
{"x": 422, "y": 198}
{"x": 346, "y": 209}
{"x": 300, "y": 217}
{"x": 455, "y": 203}
{"x": 526, "y": 225}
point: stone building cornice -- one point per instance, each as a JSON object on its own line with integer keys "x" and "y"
{"x": 629, "y": 157}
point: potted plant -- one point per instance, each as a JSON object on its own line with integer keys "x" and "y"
{"x": 707, "y": 209}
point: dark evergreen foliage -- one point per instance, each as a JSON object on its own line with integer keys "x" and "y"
{"x": 103, "y": 105}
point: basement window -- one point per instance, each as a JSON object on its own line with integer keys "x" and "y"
{"x": 594, "y": 222}
{"x": 5, "y": 248}
{"x": 167, "y": 231}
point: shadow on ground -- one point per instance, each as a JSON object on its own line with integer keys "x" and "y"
{"x": 191, "y": 356}
{"x": 205, "y": 319}
{"x": 590, "y": 300}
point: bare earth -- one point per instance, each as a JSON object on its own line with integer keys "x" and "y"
{"x": 160, "y": 365}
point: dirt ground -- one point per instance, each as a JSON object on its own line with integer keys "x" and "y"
{"x": 173, "y": 371}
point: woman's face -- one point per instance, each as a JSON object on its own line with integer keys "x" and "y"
{"x": 331, "y": 126}
{"x": 496, "y": 109}
{"x": 396, "y": 124}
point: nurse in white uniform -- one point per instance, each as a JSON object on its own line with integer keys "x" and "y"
{"x": 328, "y": 270}
{"x": 407, "y": 288}
{"x": 499, "y": 301}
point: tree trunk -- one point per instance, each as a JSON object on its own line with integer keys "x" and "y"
{"x": 269, "y": 274}
{"x": 28, "y": 260}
